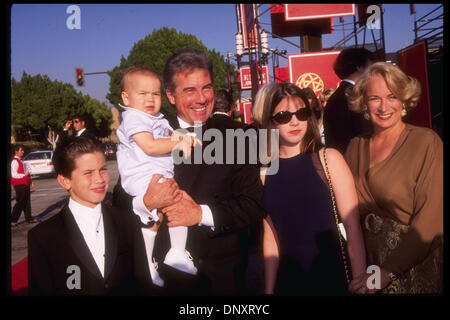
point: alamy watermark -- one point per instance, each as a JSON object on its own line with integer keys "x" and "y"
{"x": 74, "y": 280}
{"x": 374, "y": 280}
{"x": 74, "y": 20}
{"x": 373, "y": 21}
{"x": 238, "y": 146}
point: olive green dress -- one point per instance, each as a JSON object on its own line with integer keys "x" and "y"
{"x": 401, "y": 208}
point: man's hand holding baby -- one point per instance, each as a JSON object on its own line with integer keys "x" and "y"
{"x": 161, "y": 194}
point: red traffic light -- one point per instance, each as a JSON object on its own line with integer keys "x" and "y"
{"x": 79, "y": 76}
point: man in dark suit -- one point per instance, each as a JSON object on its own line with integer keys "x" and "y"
{"x": 339, "y": 122}
{"x": 88, "y": 248}
{"x": 78, "y": 123}
{"x": 220, "y": 200}
{"x": 222, "y": 118}
{"x": 223, "y": 109}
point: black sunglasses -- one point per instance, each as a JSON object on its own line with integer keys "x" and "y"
{"x": 284, "y": 117}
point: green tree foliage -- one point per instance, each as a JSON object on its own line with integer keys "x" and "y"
{"x": 39, "y": 105}
{"x": 99, "y": 116}
{"x": 153, "y": 51}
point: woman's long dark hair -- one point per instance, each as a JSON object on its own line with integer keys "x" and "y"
{"x": 315, "y": 106}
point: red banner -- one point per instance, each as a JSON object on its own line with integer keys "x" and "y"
{"x": 246, "y": 78}
{"x": 283, "y": 28}
{"x": 314, "y": 70}
{"x": 246, "y": 112}
{"x": 281, "y": 74}
{"x": 317, "y": 11}
{"x": 414, "y": 62}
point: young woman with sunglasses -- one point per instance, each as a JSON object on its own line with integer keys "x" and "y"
{"x": 302, "y": 251}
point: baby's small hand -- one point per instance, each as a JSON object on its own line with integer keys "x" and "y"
{"x": 196, "y": 142}
{"x": 177, "y": 136}
{"x": 186, "y": 145}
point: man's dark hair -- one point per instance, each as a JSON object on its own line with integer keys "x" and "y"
{"x": 70, "y": 149}
{"x": 349, "y": 60}
{"x": 185, "y": 60}
{"x": 223, "y": 101}
{"x": 80, "y": 117}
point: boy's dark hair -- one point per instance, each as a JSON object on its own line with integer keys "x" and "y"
{"x": 349, "y": 60}
{"x": 135, "y": 69}
{"x": 70, "y": 149}
{"x": 223, "y": 101}
{"x": 185, "y": 60}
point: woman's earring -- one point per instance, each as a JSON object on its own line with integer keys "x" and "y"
{"x": 366, "y": 115}
{"x": 404, "y": 112}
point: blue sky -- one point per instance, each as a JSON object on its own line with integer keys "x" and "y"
{"x": 42, "y": 44}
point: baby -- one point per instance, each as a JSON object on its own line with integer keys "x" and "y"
{"x": 146, "y": 142}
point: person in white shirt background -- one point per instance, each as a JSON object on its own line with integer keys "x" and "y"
{"x": 21, "y": 181}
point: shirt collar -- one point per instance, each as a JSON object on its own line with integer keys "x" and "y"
{"x": 220, "y": 112}
{"x": 80, "y": 211}
{"x": 80, "y": 132}
{"x": 349, "y": 81}
{"x": 184, "y": 124}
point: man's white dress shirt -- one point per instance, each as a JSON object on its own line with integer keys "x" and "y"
{"x": 80, "y": 132}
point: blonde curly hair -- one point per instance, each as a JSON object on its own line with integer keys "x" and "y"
{"x": 405, "y": 88}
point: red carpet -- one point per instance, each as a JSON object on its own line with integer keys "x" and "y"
{"x": 19, "y": 278}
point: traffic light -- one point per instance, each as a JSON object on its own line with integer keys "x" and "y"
{"x": 80, "y": 77}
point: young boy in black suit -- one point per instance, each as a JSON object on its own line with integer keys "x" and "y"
{"x": 88, "y": 248}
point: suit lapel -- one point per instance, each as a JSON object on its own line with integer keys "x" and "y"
{"x": 77, "y": 243}
{"x": 110, "y": 240}
{"x": 173, "y": 122}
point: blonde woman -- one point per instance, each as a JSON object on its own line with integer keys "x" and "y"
{"x": 398, "y": 171}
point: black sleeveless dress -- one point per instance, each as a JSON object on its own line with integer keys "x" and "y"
{"x": 298, "y": 201}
